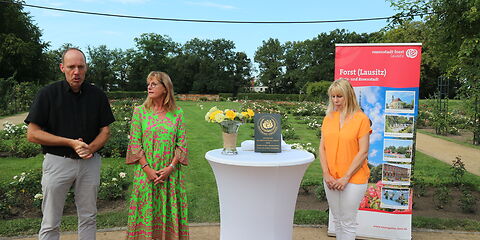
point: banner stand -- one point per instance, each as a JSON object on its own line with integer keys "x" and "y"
{"x": 386, "y": 80}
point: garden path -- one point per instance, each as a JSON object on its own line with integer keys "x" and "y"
{"x": 447, "y": 151}
{"x": 15, "y": 119}
{"x": 212, "y": 232}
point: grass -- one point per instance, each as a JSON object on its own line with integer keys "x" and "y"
{"x": 434, "y": 172}
{"x": 201, "y": 185}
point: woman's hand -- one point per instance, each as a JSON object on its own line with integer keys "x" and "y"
{"x": 152, "y": 175}
{"x": 341, "y": 183}
{"x": 164, "y": 173}
{"x": 329, "y": 180}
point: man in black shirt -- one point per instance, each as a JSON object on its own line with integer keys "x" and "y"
{"x": 70, "y": 119}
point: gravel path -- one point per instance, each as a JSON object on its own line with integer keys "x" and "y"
{"x": 212, "y": 232}
{"x": 447, "y": 151}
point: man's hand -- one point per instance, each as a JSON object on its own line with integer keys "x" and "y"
{"x": 82, "y": 149}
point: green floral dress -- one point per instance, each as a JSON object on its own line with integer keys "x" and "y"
{"x": 158, "y": 211}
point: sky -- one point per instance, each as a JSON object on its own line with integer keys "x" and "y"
{"x": 89, "y": 30}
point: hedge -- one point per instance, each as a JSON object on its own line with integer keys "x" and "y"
{"x": 124, "y": 94}
{"x": 265, "y": 96}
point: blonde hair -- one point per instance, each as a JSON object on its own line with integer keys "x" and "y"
{"x": 344, "y": 88}
{"x": 169, "y": 101}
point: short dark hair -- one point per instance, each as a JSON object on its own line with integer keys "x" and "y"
{"x": 72, "y": 48}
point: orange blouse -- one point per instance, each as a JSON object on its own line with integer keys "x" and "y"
{"x": 342, "y": 144}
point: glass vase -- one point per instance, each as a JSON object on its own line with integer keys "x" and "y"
{"x": 229, "y": 132}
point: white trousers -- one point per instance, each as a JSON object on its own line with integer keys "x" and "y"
{"x": 344, "y": 207}
{"x": 59, "y": 174}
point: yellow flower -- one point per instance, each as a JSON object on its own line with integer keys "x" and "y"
{"x": 250, "y": 112}
{"x": 230, "y": 114}
{"x": 212, "y": 116}
{"x": 245, "y": 114}
{"x": 219, "y": 117}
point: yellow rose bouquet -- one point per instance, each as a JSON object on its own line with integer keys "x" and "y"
{"x": 229, "y": 120}
{"x": 215, "y": 115}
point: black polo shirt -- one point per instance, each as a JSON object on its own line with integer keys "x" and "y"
{"x": 61, "y": 112}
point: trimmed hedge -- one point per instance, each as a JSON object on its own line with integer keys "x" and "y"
{"x": 265, "y": 96}
{"x": 241, "y": 96}
{"x": 124, "y": 94}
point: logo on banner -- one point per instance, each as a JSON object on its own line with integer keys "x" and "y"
{"x": 412, "y": 53}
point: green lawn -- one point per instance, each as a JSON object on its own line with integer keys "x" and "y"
{"x": 201, "y": 186}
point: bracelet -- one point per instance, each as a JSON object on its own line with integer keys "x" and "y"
{"x": 144, "y": 165}
{"x": 173, "y": 166}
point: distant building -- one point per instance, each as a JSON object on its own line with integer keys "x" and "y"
{"x": 259, "y": 89}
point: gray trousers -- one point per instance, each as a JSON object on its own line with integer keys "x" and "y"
{"x": 59, "y": 175}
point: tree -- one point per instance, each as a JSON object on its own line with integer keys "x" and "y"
{"x": 241, "y": 73}
{"x": 296, "y": 62}
{"x": 21, "y": 51}
{"x": 100, "y": 67}
{"x": 418, "y": 32}
{"x": 153, "y": 53}
{"x": 211, "y": 66}
{"x": 121, "y": 65}
{"x": 321, "y": 61}
{"x": 454, "y": 38}
{"x": 270, "y": 57}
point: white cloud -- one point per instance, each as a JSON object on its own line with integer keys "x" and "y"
{"x": 211, "y": 4}
{"x": 373, "y": 153}
{"x": 373, "y": 110}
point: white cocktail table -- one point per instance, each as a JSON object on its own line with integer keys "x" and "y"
{"x": 258, "y": 192}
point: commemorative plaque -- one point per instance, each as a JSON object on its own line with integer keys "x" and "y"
{"x": 268, "y": 133}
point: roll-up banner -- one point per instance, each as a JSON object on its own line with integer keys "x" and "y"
{"x": 386, "y": 79}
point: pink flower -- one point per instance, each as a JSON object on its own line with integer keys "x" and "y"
{"x": 372, "y": 192}
{"x": 364, "y": 202}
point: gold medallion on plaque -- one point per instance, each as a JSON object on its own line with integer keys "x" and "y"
{"x": 268, "y": 125}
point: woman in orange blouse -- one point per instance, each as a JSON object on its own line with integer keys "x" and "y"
{"x": 343, "y": 155}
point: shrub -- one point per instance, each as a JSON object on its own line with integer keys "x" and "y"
{"x": 19, "y": 194}
{"x": 442, "y": 197}
{"x": 468, "y": 202}
{"x": 24, "y": 192}
{"x": 114, "y": 183}
{"x": 318, "y": 90}
{"x": 14, "y": 142}
{"x": 419, "y": 187}
{"x": 457, "y": 171}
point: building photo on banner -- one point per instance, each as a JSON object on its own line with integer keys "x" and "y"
{"x": 386, "y": 81}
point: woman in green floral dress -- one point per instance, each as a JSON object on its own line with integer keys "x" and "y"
{"x": 158, "y": 150}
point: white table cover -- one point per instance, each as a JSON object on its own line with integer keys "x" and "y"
{"x": 258, "y": 192}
